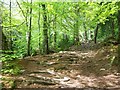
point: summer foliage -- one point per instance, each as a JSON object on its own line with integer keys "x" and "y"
{"x": 30, "y": 28}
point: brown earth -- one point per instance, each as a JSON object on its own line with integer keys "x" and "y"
{"x": 85, "y": 66}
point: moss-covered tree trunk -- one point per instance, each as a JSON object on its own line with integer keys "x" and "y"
{"x": 45, "y": 30}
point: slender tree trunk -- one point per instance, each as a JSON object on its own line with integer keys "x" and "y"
{"x": 91, "y": 35}
{"x": 29, "y": 32}
{"x": 76, "y": 25}
{"x": 55, "y": 39}
{"x": 10, "y": 33}
{"x": 55, "y": 33}
{"x": 45, "y": 30}
{"x": 86, "y": 36}
{"x": 95, "y": 34}
{"x": 1, "y": 4}
{"x": 39, "y": 29}
{"x": 112, "y": 27}
{"x": 3, "y": 40}
{"x": 1, "y": 43}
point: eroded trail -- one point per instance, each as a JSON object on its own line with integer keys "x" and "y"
{"x": 70, "y": 69}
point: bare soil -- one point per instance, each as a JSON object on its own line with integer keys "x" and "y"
{"x": 85, "y": 66}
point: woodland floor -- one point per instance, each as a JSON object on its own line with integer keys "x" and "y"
{"x": 85, "y": 66}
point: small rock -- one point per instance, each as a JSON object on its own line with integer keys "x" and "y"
{"x": 102, "y": 69}
{"x": 65, "y": 79}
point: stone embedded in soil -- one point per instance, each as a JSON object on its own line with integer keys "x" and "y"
{"x": 43, "y": 82}
{"x": 65, "y": 79}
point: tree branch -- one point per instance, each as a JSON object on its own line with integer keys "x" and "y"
{"x": 14, "y": 25}
{"x": 25, "y": 16}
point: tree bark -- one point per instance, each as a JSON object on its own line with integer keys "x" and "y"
{"x": 119, "y": 26}
{"x": 112, "y": 28}
{"x": 29, "y": 32}
{"x": 45, "y": 30}
{"x": 3, "y": 41}
{"x": 91, "y": 35}
{"x": 55, "y": 33}
{"x": 10, "y": 32}
{"x": 86, "y": 36}
{"x": 39, "y": 29}
{"x": 118, "y": 40}
{"x": 95, "y": 34}
{"x": 76, "y": 25}
{"x": 1, "y": 48}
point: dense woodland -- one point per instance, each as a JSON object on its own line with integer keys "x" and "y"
{"x": 29, "y": 28}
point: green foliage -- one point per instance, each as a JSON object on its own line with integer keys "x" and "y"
{"x": 11, "y": 69}
{"x": 10, "y": 64}
{"x": 62, "y": 19}
{"x": 89, "y": 13}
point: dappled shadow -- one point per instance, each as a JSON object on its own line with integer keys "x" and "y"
{"x": 69, "y": 69}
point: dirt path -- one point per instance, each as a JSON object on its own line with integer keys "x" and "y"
{"x": 77, "y": 68}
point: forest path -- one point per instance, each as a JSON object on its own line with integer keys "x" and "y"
{"x": 77, "y": 68}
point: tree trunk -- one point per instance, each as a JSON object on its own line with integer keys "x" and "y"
{"x": 45, "y": 30}
{"x": 86, "y": 36}
{"x": 85, "y": 33}
{"x": 39, "y": 29}
{"x": 1, "y": 48}
{"x": 95, "y": 34}
{"x": 10, "y": 32}
{"x": 119, "y": 26}
{"x": 91, "y": 35}
{"x": 3, "y": 39}
{"x": 118, "y": 40}
{"x": 29, "y": 33}
{"x": 76, "y": 25}
{"x": 112, "y": 27}
{"x": 55, "y": 33}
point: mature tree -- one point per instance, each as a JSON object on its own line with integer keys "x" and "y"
{"x": 29, "y": 32}
{"x": 39, "y": 28}
{"x": 119, "y": 40}
{"x": 45, "y": 29}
